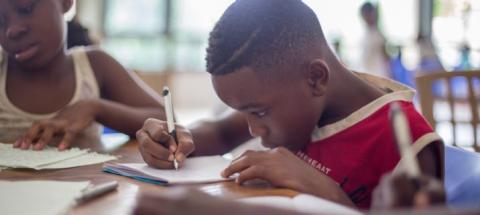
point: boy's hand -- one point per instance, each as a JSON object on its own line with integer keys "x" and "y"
{"x": 67, "y": 123}
{"x": 282, "y": 168}
{"x": 395, "y": 191}
{"x": 158, "y": 148}
{"x": 278, "y": 166}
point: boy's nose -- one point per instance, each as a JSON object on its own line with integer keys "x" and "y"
{"x": 256, "y": 129}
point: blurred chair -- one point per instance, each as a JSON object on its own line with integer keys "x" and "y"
{"x": 460, "y": 88}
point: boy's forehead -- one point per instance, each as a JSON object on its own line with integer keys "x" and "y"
{"x": 241, "y": 87}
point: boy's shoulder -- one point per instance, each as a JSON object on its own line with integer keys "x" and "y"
{"x": 373, "y": 131}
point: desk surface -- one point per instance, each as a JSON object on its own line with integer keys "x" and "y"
{"x": 123, "y": 200}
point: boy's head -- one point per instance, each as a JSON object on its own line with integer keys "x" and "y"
{"x": 268, "y": 59}
{"x": 32, "y": 31}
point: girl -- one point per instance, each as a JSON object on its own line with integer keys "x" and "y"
{"x": 47, "y": 91}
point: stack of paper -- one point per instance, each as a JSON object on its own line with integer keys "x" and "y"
{"x": 195, "y": 170}
{"x": 49, "y": 158}
{"x": 302, "y": 203}
{"x": 39, "y": 197}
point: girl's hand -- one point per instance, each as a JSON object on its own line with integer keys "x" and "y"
{"x": 67, "y": 123}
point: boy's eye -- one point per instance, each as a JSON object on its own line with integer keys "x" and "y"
{"x": 259, "y": 114}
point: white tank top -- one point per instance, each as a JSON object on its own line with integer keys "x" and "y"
{"x": 15, "y": 122}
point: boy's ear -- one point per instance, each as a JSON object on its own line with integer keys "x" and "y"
{"x": 67, "y": 5}
{"x": 318, "y": 76}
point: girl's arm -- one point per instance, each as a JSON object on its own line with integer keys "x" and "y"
{"x": 126, "y": 101}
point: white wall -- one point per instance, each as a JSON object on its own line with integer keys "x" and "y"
{"x": 90, "y": 13}
{"x": 193, "y": 96}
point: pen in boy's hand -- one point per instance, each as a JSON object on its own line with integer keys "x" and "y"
{"x": 170, "y": 121}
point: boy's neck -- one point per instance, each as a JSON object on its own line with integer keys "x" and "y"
{"x": 348, "y": 94}
{"x": 52, "y": 70}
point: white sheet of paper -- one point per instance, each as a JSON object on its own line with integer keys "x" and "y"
{"x": 303, "y": 203}
{"x": 39, "y": 197}
{"x": 195, "y": 170}
{"x": 82, "y": 160}
{"x": 49, "y": 158}
{"x": 17, "y": 158}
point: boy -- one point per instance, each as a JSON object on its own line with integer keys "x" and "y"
{"x": 328, "y": 127}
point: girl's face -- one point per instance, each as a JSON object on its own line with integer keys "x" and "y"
{"x": 32, "y": 31}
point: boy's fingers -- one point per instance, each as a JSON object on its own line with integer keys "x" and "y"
{"x": 45, "y": 138}
{"x": 252, "y": 172}
{"x": 247, "y": 153}
{"x": 147, "y": 145}
{"x": 157, "y": 130}
{"x": 152, "y": 160}
{"x": 185, "y": 138}
{"x": 180, "y": 158}
{"x": 236, "y": 166}
{"x": 172, "y": 145}
{"x": 184, "y": 149}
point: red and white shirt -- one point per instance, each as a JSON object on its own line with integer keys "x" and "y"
{"x": 358, "y": 150}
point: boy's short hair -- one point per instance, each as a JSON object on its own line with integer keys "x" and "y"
{"x": 262, "y": 34}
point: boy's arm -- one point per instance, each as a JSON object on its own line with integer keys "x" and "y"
{"x": 220, "y": 135}
{"x": 126, "y": 101}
